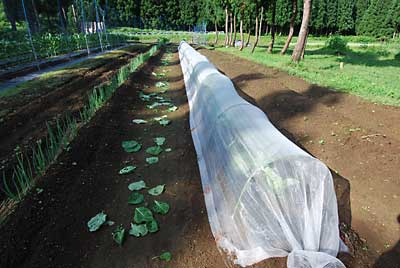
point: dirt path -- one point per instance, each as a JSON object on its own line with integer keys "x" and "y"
{"x": 27, "y": 123}
{"x": 49, "y": 229}
{"x": 358, "y": 139}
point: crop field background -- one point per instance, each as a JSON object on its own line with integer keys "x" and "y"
{"x": 97, "y": 163}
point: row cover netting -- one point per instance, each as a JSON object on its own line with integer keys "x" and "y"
{"x": 265, "y": 196}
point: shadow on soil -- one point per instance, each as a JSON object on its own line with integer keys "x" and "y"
{"x": 390, "y": 258}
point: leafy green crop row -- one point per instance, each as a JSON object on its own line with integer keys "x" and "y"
{"x": 60, "y": 134}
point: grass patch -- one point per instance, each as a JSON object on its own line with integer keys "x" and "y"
{"x": 370, "y": 73}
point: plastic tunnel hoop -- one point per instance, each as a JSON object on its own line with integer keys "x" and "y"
{"x": 265, "y": 196}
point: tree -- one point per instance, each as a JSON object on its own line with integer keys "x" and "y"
{"x": 319, "y": 16}
{"x": 345, "y": 16}
{"x": 331, "y": 15}
{"x": 291, "y": 30}
{"x": 301, "y": 40}
{"x": 273, "y": 26}
{"x": 283, "y": 14}
{"x": 360, "y": 7}
{"x": 13, "y": 12}
{"x": 258, "y": 28}
{"x": 373, "y": 24}
{"x": 393, "y": 18}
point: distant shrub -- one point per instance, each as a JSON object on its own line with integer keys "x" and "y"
{"x": 397, "y": 56}
{"x": 337, "y": 44}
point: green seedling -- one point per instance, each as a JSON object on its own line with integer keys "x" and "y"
{"x": 139, "y": 121}
{"x": 131, "y": 146}
{"x": 159, "y": 140}
{"x": 160, "y": 207}
{"x": 126, "y": 170}
{"x": 135, "y": 198}
{"x": 137, "y": 186}
{"x": 143, "y": 215}
{"x": 138, "y": 230}
{"x": 159, "y": 189}
{"x": 154, "y": 150}
{"x": 119, "y": 235}
{"x": 152, "y": 160}
{"x": 97, "y": 221}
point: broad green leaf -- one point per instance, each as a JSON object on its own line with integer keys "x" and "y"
{"x": 144, "y": 97}
{"x": 160, "y": 118}
{"x": 152, "y": 160}
{"x": 154, "y": 150}
{"x": 153, "y": 105}
{"x": 152, "y": 226}
{"x": 157, "y": 190}
{"x": 168, "y": 150}
{"x": 162, "y": 84}
{"x": 131, "y": 146}
{"x": 162, "y": 99}
{"x": 160, "y": 207}
{"x": 143, "y": 214}
{"x": 135, "y": 198}
{"x": 164, "y": 122}
{"x": 127, "y": 170}
{"x": 166, "y": 256}
{"x": 118, "y": 235}
{"x": 172, "y": 109}
{"x": 139, "y": 121}
{"x": 159, "y": 140}
{"x": 97, "y": 221}
{"x": 138, "y": 230}
{"x": 136, "y": 186}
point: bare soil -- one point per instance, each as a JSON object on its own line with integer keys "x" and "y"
{"x": 357, "y": 139}
{"x": 48, "y": 229}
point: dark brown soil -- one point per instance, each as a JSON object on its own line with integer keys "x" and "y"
{"x": 31, "y": 110}
{"x": 48, "y": 229}
{"x": 357, "y": 139}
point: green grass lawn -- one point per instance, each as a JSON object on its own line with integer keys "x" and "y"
{"x": 372, "y": 73}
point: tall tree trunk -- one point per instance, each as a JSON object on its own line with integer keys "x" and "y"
{"x": 273, "y": 28}
{"x": 241, "y": 33}
{"x": 231, "y": 30}
{"x": 216, "y": 32}
{"x": 36, "y": 15}
{"x": 248, "y": 37}
{"x": 226, "y": 27}
{"x": 298, "y": 50}
{"x": 11, "y": 14}
{"x": 234, "y": 31}
{"x": 291, "y": 29}
{"x": 261, "y": 20}
{"x": 75, "y": 18}
{"x": 64, "y": 18}
{"x": 256, "y": 32}
{"x": 60, "y": 15}
{"x": 304, "y": 48}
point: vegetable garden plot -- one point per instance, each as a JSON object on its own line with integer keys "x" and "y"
{"x": 265, "y": 196}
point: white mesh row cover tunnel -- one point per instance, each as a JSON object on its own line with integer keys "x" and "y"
{"x": 265, "y": 196}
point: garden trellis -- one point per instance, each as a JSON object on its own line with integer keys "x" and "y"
{"x": 39, "y": 44}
